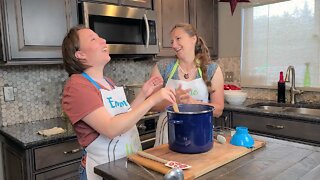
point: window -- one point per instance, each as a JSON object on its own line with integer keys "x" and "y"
{"x": 278, "y": 35}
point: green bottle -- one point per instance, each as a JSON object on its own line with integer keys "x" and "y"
{"x": 306, "y": 81}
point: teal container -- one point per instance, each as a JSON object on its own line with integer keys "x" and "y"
{"x": 242, "y": 138}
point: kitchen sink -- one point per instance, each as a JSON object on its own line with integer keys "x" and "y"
{"x": 271, "y": 108}
{"x": 308, "y": 109}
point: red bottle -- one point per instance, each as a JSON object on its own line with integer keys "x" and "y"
{"x": 281, "y": 89}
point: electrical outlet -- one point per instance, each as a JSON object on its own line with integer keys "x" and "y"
{"x": 228, "y": 76}
{"x": 8, "y": 93}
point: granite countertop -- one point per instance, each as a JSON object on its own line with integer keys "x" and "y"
{"x": 290, "y": 115}
{"x": 25, "y": 135}
{"x": 279, "y": 159}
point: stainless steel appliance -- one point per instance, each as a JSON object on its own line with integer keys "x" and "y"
{"x": 147, "y": 129}
{"x": 127, "y": 30}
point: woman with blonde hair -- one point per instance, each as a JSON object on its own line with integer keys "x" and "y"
{"x": 194, "y": 76}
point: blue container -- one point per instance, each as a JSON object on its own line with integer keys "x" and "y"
{"x": 242, "y": 138}
{"x": 190, "y": 130}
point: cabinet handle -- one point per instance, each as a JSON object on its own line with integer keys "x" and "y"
{"x": 71, "y": 151}
{"x": 274, "y": 126}
{"x": 148, "y": 140}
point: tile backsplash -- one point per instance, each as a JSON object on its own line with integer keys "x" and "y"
{"x": 38, "y": 89}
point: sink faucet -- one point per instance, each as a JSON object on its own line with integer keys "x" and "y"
{"x": 293, "y": 90}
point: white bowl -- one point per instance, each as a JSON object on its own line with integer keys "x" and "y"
{"x": 235, "y": 97}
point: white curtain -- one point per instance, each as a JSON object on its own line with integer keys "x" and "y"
{"x": 278, "y": 35}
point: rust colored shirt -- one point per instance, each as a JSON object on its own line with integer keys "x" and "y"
{"x": 80, "y": 98}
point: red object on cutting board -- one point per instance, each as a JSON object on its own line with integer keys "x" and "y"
{"x": 170, "y": 164}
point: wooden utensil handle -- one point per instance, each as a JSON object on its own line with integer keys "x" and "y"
{"x": 175, "y": 107}
{"x": 152, "y": 157}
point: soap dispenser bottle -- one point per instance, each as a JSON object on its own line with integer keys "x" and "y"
{"x": 306, "y": 80}
{"x": 281, "y": 89}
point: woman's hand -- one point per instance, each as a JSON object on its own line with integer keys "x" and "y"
{"x": 164, "y": 94}
{"x": 150, "y": 86}
{"x": 183, "y": 96}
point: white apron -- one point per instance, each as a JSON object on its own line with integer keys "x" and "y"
{"x": 102, "y": 149}
{"x": 199, "y": 91}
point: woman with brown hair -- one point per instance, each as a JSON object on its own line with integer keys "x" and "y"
{"x": 194, "y": 76}
{"x": 103, "y": 120}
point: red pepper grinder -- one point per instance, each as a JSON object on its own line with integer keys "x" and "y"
{"x": 281, "y": 89}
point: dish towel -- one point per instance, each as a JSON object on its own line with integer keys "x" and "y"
{"x": 52, "y": 131}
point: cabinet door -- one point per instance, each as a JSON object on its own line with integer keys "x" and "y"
{"x": 57, "y": 154}
{"x": 203, "y": 16}
{"x": 1, "y": 43}
{"x": 138, "y": 3}
{"x": 297, "y": 130}
{"x": 14, "y": 162}
{"x": 36, "y": 27}
{"x": 2, "y": 30}
{"x": 70, "y": 172}
{"x": 169, "y": 13}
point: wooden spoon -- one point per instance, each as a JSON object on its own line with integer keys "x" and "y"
{"x": 175, "y": 107}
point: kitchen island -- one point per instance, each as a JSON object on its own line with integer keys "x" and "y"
{"x": 280, "y": 159}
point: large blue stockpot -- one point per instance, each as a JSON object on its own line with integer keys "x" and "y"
{"x": 191, "y": 129}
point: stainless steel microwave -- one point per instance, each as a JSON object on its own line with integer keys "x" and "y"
{"x": 127, "y": 30}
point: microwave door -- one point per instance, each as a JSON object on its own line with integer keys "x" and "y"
{"x": 126, "y": 30}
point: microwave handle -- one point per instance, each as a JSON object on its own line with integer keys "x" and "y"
{"x": 147, "y": 28}
{"x": 85, "y": 14}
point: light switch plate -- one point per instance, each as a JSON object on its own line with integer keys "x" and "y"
{"x": 8, "y": 94}
{"x": 228, "y": 76}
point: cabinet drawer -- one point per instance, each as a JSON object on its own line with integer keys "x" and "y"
{"x": 286, "y": 128}
{"x": 56, "y": 154}
{"x": 70, "y": 172}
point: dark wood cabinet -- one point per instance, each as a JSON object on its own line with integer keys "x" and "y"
{"x": 14, "y": 163}
{"x": 2, "y": 35}
{"x": 34, "y": 29}
{"x": 202, "y": 15}
{"x": 51, "y": 161}
{"x": 298, "y": 130}
{"x": 169, "y": 13}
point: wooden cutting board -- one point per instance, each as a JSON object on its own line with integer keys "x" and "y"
{"x": 202, "y": 163}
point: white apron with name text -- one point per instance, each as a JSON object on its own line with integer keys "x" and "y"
{"x": 103, "y": 150}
